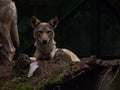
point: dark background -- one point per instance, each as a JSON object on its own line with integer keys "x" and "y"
{"x": 87, "y": 27}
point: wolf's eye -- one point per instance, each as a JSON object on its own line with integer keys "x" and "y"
{"x": 48, "y": 31}
{"x": 40, "y": 31}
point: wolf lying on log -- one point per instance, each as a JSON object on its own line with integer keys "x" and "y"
{"x": 45, "y": 44}
{"x": 44, "y": 40}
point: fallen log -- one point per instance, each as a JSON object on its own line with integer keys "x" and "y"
{"x": 63, "y": 74}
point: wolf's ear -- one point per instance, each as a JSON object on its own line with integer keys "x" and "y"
{"x": 35, "y": 22}
{"x": 53, "y": 22}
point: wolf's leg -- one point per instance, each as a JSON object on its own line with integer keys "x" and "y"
{"x": 37, "y": 55}
{"x": 14, "y": 31}
{"x": 52, "y": 54}
{"x": 6, "y": 41}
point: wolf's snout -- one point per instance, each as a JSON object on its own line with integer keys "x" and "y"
{"x": 44, "y": 41}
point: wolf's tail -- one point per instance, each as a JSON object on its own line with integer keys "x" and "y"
{"x": 74, "y": 57}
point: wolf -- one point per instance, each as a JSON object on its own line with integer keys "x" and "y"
{"x": 44, "y": 40}
{"x": 9, "y": 38}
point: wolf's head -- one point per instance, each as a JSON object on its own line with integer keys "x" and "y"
{"x": 44, "y": 31}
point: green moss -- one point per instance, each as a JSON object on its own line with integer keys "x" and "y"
{"x": 23, "y": 86}
{"x": 15, "y": 72}
{"x": 15, "y": 86}
{"x": 55, "y": 77}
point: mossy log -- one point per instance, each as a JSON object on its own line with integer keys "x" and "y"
{"x": 63, "y": 74}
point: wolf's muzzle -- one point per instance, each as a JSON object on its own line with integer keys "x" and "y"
{"x": 44, "y": 41}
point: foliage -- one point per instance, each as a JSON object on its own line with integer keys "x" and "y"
{"x": 23, "y": 27}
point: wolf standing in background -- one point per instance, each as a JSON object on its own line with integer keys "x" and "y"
{"x": 9, "y": 38}
{"x": 44, "y": 40}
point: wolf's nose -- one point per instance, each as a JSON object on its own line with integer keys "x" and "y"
{"x": 44, "y": 41}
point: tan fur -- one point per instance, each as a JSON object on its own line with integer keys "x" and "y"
{"x": 45, "y": 32}
{"x": 73, "y": 56}
{"x": 8, "y": 29}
